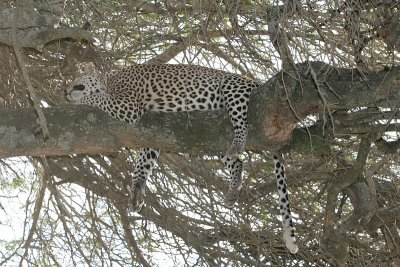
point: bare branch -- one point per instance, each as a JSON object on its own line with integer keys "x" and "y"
{"x": 44, "y": 173}
{"x": 21, "y": 63}
{"x": 131, "y": 239}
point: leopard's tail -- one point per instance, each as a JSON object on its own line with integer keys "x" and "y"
{"x": 288, "y": 230}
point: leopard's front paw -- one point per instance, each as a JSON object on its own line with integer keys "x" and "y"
{"x": 229, "y": 201}
{"x": 235, "y": 149}
{"x": 231, "y": 197}
{"x": 135, "y": 206}
{"x": 136, "y": 198}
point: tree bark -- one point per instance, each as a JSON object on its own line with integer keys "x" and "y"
{"x": 274, "y": 113}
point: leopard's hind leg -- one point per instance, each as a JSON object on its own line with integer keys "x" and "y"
{"x": 143, "y": 169}
{"x": 235, "y": 168}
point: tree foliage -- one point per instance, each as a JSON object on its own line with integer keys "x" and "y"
{"x": 329, "y": 102}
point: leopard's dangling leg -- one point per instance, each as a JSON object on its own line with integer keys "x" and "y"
{"x": 147, "y": 159}
{"x": 235, "y": 167}
{"x": 287, "y": 224}
{"x": 239, "y": 142}
{"x": 236, "y": 100}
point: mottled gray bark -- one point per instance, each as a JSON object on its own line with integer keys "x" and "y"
{"x": 275, "y": 110}
{"x": 37, "y": 24}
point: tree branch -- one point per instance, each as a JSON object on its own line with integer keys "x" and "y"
{"x": 21, "y": 64}
{"x": 36, "y": 25}
{"x": 130, "y": 239}
{"x": 176, "y": 48}
{"x": 278, "y": 35}
{"x": 86, "y": 130}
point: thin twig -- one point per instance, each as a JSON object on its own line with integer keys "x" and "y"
{"x": 43, "y": 178}
{"x": 130, "y": 239}
{"x": 372, "y": 188}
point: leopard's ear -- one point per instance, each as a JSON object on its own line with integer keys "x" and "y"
{"x": 89, "y": 67}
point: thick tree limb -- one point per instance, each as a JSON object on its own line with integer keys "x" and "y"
{"x": 36, "y": 25}
{"x": 38, "y": 37}
{"x": 80, "y": 129}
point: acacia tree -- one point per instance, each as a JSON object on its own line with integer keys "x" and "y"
{"x": 329, "y": 103}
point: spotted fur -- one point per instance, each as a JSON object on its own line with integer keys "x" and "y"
{"x": 235, "y": 167}
{"x": 284, "y": 205}
{"x": 127, "y": 94}
{"x": 143, "y": 169}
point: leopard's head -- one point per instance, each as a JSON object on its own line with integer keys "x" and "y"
{"x": 84, "y": 87}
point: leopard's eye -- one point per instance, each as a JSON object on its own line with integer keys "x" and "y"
{"x": 79, "y": 87}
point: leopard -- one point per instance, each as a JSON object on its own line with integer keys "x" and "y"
{"x": 126, "y": 94}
